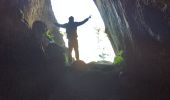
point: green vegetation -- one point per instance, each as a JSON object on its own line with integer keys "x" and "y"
{"x": 118, "y": 58}
{"x": 49, "y": 35}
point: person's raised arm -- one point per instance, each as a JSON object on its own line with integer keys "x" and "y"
{"x": 60, "y": 25}
{"x": 82, "y": 22}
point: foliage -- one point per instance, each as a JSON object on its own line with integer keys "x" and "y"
{"x": 118, "y": 59}
{"x": 49, "y": 35}
{"x": 52, "y": 38}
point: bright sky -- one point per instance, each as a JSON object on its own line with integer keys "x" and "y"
{"x": 91, "y": 45}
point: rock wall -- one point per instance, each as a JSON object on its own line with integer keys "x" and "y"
{"x": 141, "y": 29}
{"x": 26, "y": 68}
{"x": 17, "y": 19}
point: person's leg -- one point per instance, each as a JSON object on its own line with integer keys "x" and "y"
{"x": 70, "y": 48}
{"x": 76, "y": 49}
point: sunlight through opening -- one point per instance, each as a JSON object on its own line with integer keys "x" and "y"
{"x": 94, "y": 44}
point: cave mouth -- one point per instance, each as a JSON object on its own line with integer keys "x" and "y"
{"x": 94, "y": 45}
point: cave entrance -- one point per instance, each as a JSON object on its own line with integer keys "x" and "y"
{"x": 94, "y": 45}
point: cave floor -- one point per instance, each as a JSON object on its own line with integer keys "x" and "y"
{"x": 101, "y": 82}
{"x": 78, "y": 82}
{"x": 91, "y": 82}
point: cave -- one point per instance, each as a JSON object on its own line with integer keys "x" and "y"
{"x": 31, "y": 69}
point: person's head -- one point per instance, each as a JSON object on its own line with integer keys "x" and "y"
{"x": 38, "y": 29}
{"x": 71, "y": 19}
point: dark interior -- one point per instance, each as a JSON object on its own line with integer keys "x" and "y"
{"x": 32, "y": 68}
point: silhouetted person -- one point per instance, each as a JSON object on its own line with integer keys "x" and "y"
{"x": 71, "y": 30}
{"x": 36, "y": 42}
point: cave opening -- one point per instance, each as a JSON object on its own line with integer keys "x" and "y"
{"x": 94, "y": 45}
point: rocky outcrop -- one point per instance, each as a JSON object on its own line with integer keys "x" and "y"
{"x": 17, "y": 19}
{"x": 23, "y": 49}
{"x": 141, "y": 29}
{"x": 138, "y": 27}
